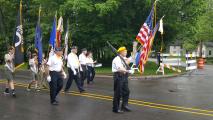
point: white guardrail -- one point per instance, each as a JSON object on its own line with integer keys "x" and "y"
{"x": 171, "y": 61}
{"x": 191, "y": 62}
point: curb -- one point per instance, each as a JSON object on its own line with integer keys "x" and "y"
{"x": 147, "y": 77}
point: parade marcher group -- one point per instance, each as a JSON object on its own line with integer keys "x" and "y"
{"x": 79, "y": 69}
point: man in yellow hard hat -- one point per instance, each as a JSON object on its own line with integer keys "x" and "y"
{"x": 120, "y": 76}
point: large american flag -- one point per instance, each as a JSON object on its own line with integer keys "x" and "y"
{"x": 147, "y": 48}
{"x": 146, "y": 28}
{"x": 143, "y": 37}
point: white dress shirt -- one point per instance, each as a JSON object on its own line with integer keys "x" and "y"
{"x": 117, "y": 64}
{"x": 73, "y": 62}
{"x": 55, "y": 63}
{"x": 9, "y": 65}
{"x": 90, "y": 61}
{"x": 82, "y": 59}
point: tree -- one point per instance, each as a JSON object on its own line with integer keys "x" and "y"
{"x": 93, "y": 22}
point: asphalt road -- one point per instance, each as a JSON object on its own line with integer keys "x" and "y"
{"x": 187, "y": 97}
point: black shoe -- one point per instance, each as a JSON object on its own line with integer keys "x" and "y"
{"x": 57, "y": 101}
{"x": 13, "y": 94}
{"x": 117, "y": 111}
{"x": 82, "y": 91}
{"x": 6, "y": 92}
{"x": 54, "y": 103}
{"x": 66, "y": 91}
{"x": 28, "y": 88}
{"x": 126, "y": 108}
{"x": 44, "y": 86}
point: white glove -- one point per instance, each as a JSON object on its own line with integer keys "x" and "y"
{"x": 131, "y": 71}
{"x": 48, "y": 78}
{"x": 74, "y": 72}
{"x": 81, "y": 69}
{"x": 65, "y": 75}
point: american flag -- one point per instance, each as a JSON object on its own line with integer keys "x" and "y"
{"x": 147, "y": 47}
{"x": 146, "y": 28}
{"x": 150, "y": 41}
{"x": 143, "y": 38}
{"x": 60, "y": 29}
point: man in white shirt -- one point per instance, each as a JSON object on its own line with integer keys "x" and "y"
{"x": 83, "y": 70}
{"x": 120, "y": 76}
{"x": 73, "y": 65}
{"x": 90, "y": 67}
{"x": 56, "y": 74}
{"x": 9, "y": 71}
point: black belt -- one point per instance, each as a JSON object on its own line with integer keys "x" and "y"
{"x": 120, "y": 73}
{"x": 55, "y": 71}
{"x": 77, "y": 70}
{"x": 83, "y": 65}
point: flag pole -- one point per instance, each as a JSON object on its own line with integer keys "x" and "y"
{"x": 20, "y": 17}
{"x": 20, "y": 11}
{"x": 155, "y": 13}
{"x": 39, "y": 13}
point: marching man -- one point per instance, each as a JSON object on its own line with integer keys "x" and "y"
{"x": 83, "y": 71}
{"x": 56, "y": 74}
{"x": 120, "y": 76}
{"x": 73, "y": 65}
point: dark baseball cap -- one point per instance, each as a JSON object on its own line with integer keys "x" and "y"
{"x": 74, "y": 47}
{"x": 58, "y": 49}
{"x": 84, "y": 49}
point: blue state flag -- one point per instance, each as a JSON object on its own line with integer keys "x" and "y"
{"x": 38, "y": 42}
{"x": 137, "y": 58}
{"x": 53, "y": 34}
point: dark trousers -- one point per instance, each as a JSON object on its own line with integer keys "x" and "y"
{"x": 75, "y": 77}
{"x": 90, "y": 74}
{"x": 121, "y": 90}
{"x": 83, "y": 74}
{"x": 56, "y": 84}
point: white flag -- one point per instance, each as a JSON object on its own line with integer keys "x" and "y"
{"x": 66, "y": 45}
{"x": 161, "y": 26}
{"x": 60, "y": 25}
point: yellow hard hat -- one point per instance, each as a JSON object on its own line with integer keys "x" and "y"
{"x": 122, "y": 49}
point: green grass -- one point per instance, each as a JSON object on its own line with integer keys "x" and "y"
{"x": 209, "y": 61}
{"x": 1, "y": 66}
{"x": 150, "y": 69}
